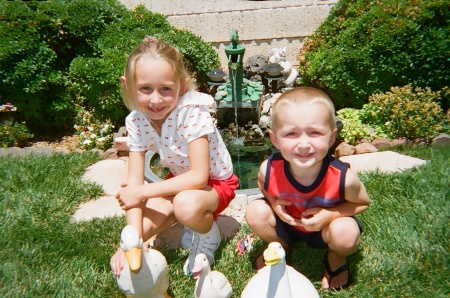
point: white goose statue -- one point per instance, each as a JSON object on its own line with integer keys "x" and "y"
{"x": 209, "y": 284}
{"x": 141, "y": 279}
{"x": 278, "y": 280}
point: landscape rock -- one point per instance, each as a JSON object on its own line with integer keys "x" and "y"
{"x": 365, "y": 148}
{"x": 442, "y": 140}
{"x": 344, "y": 149}
{"x": 120, "y": 144}
{"x": 381, "y": 143}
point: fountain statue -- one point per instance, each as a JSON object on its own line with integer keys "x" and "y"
{"x": 239, "y": 100}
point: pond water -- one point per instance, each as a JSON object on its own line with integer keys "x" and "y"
{"x": 247, "y": 160}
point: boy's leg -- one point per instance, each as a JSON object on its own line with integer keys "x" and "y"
{"x": 342, "y": 236}
{"x": 261, "y": 220}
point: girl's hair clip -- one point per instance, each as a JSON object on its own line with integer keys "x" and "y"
{"x": 149, "y": 39}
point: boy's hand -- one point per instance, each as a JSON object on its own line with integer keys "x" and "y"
{"x": 279, "y": 207}
{"x": 315, "y": 219}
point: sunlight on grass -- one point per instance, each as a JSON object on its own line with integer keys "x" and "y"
{"x": 403, "y": 253}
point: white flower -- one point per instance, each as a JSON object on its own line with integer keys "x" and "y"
{"x": 90, "y": 128}
{"x": 101, "y": 139}
{"x": 93, "y": 136}
{"x": 87, "y": 142}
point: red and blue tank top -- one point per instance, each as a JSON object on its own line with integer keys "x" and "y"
{"x": 326, "y": 191}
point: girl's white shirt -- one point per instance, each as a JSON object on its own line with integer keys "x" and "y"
{"x": 187, "y": 122}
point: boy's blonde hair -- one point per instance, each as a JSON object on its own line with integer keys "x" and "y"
{"x": 302, "y": 95}
{"x": 150, "y": 47}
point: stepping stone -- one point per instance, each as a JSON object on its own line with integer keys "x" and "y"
{"x": 385, "y": 161}
{"x": 101, "y": 208}
{"x": 109, "y": 173}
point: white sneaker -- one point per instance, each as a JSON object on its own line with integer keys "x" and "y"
{"x": 186, "y": 240}
{"x": 203, "y": 243}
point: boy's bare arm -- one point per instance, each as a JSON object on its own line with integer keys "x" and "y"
{"x": 356, "y": 197}
{"x": 278, "y": 205}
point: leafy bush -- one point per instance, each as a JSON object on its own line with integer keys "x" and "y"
{"x": 37, "y": 44}
{"x": 59, "y": 56}
{"x": 14, "y": 134}
{"x": 406, "y": 112}
{"x": 354, "y": 130}
{"x": 365, "y": 47}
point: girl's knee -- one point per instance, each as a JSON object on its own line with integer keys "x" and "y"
{"x": 187, "y": 205}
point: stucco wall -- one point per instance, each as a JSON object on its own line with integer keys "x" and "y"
{"x": 261, "y": 25}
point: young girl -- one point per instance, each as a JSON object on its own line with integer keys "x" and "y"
{"x": 309, "y": 195}
{"x": 167, "y": 116}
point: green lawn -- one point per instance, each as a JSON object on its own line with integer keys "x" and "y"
{"x": 404, "y": 249}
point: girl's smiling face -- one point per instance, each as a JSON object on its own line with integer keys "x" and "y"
{"x": 157, "y": 89}
{"x": 303, "y": 135}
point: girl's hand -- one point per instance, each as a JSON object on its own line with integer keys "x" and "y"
{"x": 117, "y": 262}
{"x": 129, "y": 196}
{"x": 315, "y": 219}
{"x": 279, "y": 207}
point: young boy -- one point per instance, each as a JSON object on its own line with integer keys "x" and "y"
{"x": 309, "y": 195}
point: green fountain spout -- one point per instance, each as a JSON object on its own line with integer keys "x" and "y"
{"x": 235, "y": 54}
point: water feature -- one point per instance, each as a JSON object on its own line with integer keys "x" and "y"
{"x": 238, "y": 101}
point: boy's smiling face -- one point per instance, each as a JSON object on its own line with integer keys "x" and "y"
{"x": 303, "y": 134}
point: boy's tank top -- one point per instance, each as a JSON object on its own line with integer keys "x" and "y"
{"x": 326, "y": 191}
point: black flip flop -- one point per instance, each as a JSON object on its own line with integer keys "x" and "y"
{"x": 336, "y": 273}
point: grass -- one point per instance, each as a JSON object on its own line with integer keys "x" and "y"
{"x": 403, "y": 253}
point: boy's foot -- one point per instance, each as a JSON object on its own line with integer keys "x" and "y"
{"x": 186, "y": 240}
{"x": 203, "y": 243}
{"x": 337, "y": 274}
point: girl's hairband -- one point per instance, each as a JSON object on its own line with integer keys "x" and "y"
{"x": 149, "y": 39}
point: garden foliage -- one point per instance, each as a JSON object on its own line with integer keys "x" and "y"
{"x": 402, "y": 112}
{"x": 365, "y": 47}
{"x": 354, "y": 130}
{"x": 62, "y": 58}
{"x": 406, "y": 112}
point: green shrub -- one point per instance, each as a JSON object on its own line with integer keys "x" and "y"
{"x": 14, "y": 134}
{"x": 38, "y": 41}
{"x": 406, "y": 112}
{"x": 365, "y": 47}
{"x": 354, "y": 130}
{"x": 60, "y": 56}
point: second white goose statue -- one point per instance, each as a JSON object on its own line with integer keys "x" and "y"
{"x": 209, "y": 284}
{"x": 278, "y": 280}
{"x": 147, "y": 278}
